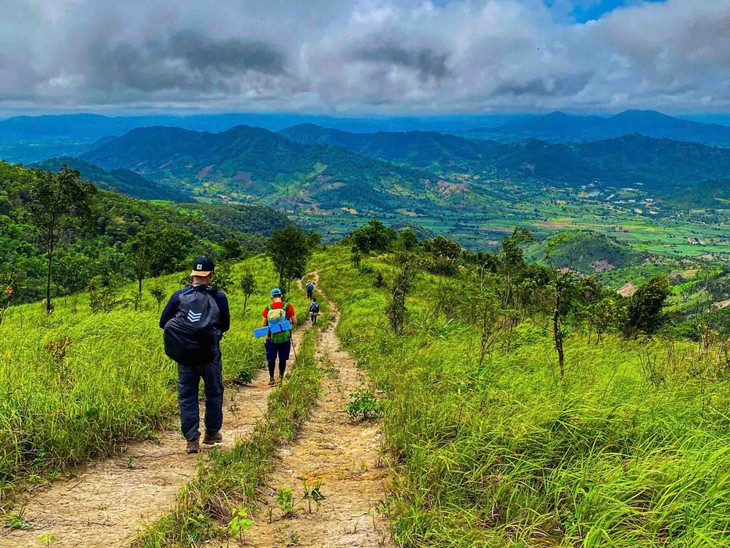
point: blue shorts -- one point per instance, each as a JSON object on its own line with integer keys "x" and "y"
{"x": 277, "y": 349}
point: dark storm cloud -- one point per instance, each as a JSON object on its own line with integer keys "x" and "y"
{"x": 546, "y": 86}
{"x": 185, "y": 60}
{"x": 425, "y": 61}
{"x": 229, "y": 56}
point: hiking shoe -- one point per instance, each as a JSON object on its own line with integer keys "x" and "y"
{"x": 193, "y": 446}
{"x": 272, "y": 382}
{"x": 212, "y": 438}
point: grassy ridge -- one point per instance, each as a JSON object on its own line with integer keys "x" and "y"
{"x": 76, "y": 385}
{"x": 227, "y": 484}
{"x": 631, "y": 451}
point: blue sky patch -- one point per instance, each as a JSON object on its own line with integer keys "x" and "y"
{"x": 582, "y": 11}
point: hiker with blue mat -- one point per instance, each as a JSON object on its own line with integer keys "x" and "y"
{"x": 194, "y": 321}
{"x": 279, "y": 317}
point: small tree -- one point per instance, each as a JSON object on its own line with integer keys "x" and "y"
{"x": 231, "y": 249}
{"x": 156, "y": 249}
{"x": 56, "y": 199}
{"x": 511, "y": 261}
{"x": 104, "y": 293}
{"x": 396, "y": 309}
{"x": 443, "y": 247}
{"x": 356, "y": 257}
{"x": 408, "y": 239}
{"x": 248, "y": 286}
{"x": 374, "y": 236}
{"x": 159, "y": 295}
{"x": 288, "y": 248}
{"x": 222, "y": 279}
{"x": 644, "y": 311}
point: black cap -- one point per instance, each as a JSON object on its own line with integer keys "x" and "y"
{"x": 202, "y": 266}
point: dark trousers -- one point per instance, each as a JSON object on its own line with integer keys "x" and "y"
{"x": 188, "y": 382}
{"x": 277, "y": 350}
{"x": 309, "y": 293}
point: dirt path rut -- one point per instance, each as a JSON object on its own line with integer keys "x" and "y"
{"x": 109, "y": 502}
{"x": 341, "y": 455}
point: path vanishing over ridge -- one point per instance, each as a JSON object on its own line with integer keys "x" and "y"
{"x": 109, "y": 502}
{"x": 342, "y": 455}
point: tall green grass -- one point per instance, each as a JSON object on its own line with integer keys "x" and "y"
{"x": 633, "y": 450}
{"x": 75, "y": 385}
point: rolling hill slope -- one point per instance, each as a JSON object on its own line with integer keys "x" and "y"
{"x": 246, "y": 162}
{"x": 416, "y": 148}
{"x": 120, "y": 180}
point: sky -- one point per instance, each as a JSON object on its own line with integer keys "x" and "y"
{"x": 381, "y": 57}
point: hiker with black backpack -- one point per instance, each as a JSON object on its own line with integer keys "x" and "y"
{"x": 314, "y": 310}
{"x": 194, "y": 321}
{"x": 278, "y": 343}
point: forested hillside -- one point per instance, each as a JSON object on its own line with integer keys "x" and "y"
{"x": 123, "y": 181}
{"x": 105, "y": 242}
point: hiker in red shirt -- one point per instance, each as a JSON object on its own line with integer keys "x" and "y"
{"x": 278, "y": 344}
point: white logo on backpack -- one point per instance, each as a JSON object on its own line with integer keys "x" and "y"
{"x": 193, "y": 317}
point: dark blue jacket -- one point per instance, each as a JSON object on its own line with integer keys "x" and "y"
{"x": 220, "y": 299}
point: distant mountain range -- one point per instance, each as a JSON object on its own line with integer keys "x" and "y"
{"x": 555, "y": 127}
{"x": 122, "y": 181}
{"x": 565, "y": 128}
{"x": 91, "y": 127}
{"x": 626, "y": 160}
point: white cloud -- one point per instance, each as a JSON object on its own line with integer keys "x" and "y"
{"x": 363, "y": 56}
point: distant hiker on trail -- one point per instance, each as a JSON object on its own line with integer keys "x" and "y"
{"x": 314, "y": 311}
{"x": 278, "y": 344}
{"x": 194, "y": 321}
{"x": 310, "y": 289}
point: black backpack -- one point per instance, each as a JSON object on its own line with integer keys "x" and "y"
{"x": 191, "y": 336}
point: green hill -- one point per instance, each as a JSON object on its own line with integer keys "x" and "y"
{"x": 713, "y": 194}
{"x": 246, "y": 163}
{"x": 415, "y": 148}
{"x": 120, "y": 180}
{"x": 586, "y": 251}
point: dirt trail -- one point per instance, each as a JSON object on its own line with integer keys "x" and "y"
{"x": 109, "y": 502}
{"x": 342, "y": 456}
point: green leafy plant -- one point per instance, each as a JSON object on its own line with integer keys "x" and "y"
{"x": 285, "y": 501}
{"x": 363, "y": 406}
{"x": 240, "y": 523}
{"x": 313, "y": 494}
{"x": 46, "y": 539}
{"x": 17, "y": 520}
